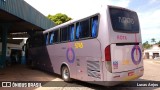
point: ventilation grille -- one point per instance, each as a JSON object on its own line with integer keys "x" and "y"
{"x": 93, "y": 69}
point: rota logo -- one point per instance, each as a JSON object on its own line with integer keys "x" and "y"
{"x": 70, "y": 55}
{"x": 136, "y": 55}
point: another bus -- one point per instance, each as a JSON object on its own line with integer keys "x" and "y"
{"x": 105, "y": 46}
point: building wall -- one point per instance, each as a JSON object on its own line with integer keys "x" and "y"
{"x": 153, "y": 52}
{"x": 15, "y": 47}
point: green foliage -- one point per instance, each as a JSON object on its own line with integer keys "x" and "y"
{"x": 146, "y": 45}
{"x": 59, "y": 18}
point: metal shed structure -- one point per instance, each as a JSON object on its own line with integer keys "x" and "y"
{"x": 18, "y": 16}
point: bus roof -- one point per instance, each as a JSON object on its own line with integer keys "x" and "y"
{"x": 79, "y": 19}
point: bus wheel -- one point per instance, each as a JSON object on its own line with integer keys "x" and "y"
{"x": 66, "y": 74}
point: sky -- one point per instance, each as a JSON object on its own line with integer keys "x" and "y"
{"x": 148, "y": 11}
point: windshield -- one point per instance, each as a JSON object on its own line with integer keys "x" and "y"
{"x": 124, "y": 20}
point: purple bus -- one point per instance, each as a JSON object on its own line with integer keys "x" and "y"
{"x": 105, "y": 46}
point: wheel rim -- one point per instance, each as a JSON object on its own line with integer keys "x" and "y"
{"x": 65, "y": 73}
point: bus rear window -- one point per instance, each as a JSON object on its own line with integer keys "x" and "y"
{"x": 124, "y": 20}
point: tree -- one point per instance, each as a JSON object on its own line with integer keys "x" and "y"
{"x": 153, "y": 40}
{"x": 59, "y": 18}
{"x": 146, "y": 45}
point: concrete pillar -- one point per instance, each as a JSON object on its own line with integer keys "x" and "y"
{"x": 5, "y": 27}
{"x": 23, "y": 59}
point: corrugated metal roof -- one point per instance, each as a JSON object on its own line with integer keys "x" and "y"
{"x": 26, "y": 12}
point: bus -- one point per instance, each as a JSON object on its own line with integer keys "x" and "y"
{"x": 104, "y": 46}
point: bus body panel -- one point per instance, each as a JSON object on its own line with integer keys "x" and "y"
{"x": 88, "y": 60}
{"x": 57, "y": 53}
{"x": 104, "y": 39}
{"x": 126, "y": 57}
{"x": 83, "y": 60}
{"x": 40, "y": 58}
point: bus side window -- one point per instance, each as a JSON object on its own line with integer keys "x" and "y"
{"x": 85, "y": 29}
{"x": 78, "y": 30}
{"x": 94, "y": 23}
{"x": 56, "y": 36}
{"x": 64, "y": 34}
{"x": 71, "y": 33}
{"x": 82, "y": 29}
{"x": 47, "y": 38}
{"x": 51, "y": 38}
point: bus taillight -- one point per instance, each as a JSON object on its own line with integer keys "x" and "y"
{"x": 107, "y": 53}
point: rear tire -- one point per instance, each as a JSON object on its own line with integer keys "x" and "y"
{"x": 65, "y": 74}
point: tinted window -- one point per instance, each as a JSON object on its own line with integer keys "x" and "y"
{"x": 53, "y": 37}
{"x": 94, "y": 26}
{"x": 46, "y": 38}
{"x": 64, "y": 34}
{"x": 78, "y": 30}
{"x": 71, "y": 33}
{"x": 56, "y": 36}
{"x": 124, "y": 21}
{"x": 82, "y": 29}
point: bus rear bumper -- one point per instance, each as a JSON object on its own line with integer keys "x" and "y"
{"x": 122, "y": 77}
{"x": 113, "y": 79}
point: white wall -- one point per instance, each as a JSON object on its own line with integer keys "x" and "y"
{"x": 12, "y": 46}
{"x": 153, "y": 49}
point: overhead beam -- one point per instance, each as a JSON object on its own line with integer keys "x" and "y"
{"x": 18, "y": 35}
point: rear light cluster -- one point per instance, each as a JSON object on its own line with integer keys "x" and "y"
{"x": 107, "y": 53}
{"x": 108, "y": 58}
